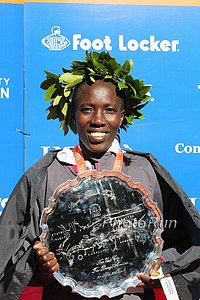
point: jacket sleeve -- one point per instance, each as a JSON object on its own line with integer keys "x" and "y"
{"x": 15, "y": 253}
{"x": 19, "y": 228}
{"x": 184, "y": 236}
{"x": 185, "y": 271}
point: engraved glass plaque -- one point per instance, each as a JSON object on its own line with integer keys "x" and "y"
{"x": 103, "y": 229}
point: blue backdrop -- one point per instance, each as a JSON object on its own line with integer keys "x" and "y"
{"x": 164, "y": 43}
{"x": 11, "y": 98}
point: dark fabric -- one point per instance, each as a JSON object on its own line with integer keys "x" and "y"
{"x": 19, "y": 226}
{"x": 55, "y": 291}
{"x": 16, "y": 260}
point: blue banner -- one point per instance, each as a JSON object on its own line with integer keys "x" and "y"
{"x": 163, "y": 42}
{"x": 11, "y": 98}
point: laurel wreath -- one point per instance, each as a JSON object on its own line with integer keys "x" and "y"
{"x": 60, "y": 88}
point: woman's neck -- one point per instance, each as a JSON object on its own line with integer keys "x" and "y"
{"x": 91, "y": 156}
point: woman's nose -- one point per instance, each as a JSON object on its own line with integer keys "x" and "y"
{"x": 98, "y": 118}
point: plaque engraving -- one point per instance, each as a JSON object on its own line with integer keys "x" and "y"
{"x": 103, "y": 229}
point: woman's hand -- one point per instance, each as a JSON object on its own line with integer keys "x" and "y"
{"x": 147, "y": 282}
{"x": 46, "y": 262}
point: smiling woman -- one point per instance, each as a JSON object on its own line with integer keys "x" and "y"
{"x": 98, "y": 115}
{"x": 95, "y": 99}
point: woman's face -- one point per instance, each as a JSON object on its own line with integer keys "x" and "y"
{"x": 98, "y": 115}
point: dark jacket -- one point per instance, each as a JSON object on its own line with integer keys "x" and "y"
{"x": 17, "y": 259}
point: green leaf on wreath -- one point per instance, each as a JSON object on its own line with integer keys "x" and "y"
{"x": 56, "y": 100}
{"x": 64, "y": 109}
{"x": 49, "y": 93}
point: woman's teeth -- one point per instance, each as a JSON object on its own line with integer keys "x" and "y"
{"x": 97, "y": 134}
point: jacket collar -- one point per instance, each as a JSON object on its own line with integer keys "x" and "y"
{"x": 66, "y": 154}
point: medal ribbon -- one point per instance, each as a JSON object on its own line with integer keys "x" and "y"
{"x": 80, "y": 163}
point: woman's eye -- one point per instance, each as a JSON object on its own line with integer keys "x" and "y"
{"x": 110, "y": 110}
{"x": 86, "y": 109}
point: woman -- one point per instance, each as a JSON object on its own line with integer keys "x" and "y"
{"x": 100, "y": 106}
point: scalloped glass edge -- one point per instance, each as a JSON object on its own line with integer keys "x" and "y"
{"x": 104, "y": 290}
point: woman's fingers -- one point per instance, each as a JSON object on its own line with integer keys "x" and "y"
{"x": 147, "y": 281}
{"x": 46, "y": 261}
{"x": 48, "y": 266}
